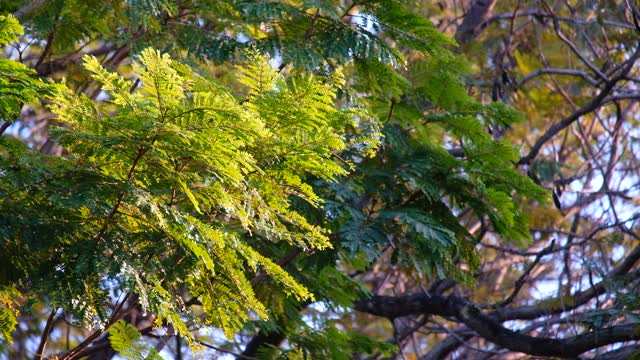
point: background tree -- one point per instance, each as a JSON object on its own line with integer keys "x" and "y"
{"x": 358, "y": 197}
{"x": 571, "y": 68}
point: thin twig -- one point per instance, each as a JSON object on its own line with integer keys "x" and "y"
{"x": 596, "y": 102}
{"x": 50, "y": 38}
{"x": 522, "y": 279}
{"x": 115, "y": 316}
{"x": 237, "y": 355}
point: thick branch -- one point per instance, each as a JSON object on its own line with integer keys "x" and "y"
{"x": 569, "y": 347}
{"x": 60, "y": 64}
{"x": 262, "y": 339}
{"x": 559, "y": 305}
{"x": 5, "y": 125}
{"x": 487, "y": 327}
{"x": 445, "y": 347}
{"x": 474, "y": 19}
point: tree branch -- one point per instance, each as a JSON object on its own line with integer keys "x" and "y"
{"x": 45, "y": 335}
{"x": 474, "y": 20}
{"x": 452, "y": 342}
{"x": 5, "y": 125}
{"x": 117, "y": 314}
{"x": 591, "y": 106}
{"x": 487, "y": 327}
{"x": 537, "y": 13}
{"x": 28, "y": 8}
{"x": 558, "y": 71}
{"x": 522, "y": 279}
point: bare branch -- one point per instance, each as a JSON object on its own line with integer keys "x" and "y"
{"x": 45, "y": 335}
{"x": 589, "y": 107}
{"x": 557, "y": 71}
{"x": 487, "y": 327}
{"x": 479, "y": 11}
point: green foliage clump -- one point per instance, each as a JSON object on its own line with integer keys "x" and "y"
{"x": 182, "y": 186}
{"x": 125, "y": 339}
{"x": 17, "y": 84}
{"x": 171, "y": 185}
{"x": 9, "y": 301}
{"x": 10, "y": 29}
{"x": 407, "y": 199}
{"x": 328, "y": 343}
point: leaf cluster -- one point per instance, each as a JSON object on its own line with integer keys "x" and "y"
{"x": 168, "y": 190}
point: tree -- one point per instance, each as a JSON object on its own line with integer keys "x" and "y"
{"x": 192, "y": 170}
{"x": 571, "y": 69}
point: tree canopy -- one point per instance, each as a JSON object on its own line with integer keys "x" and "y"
{"x": 318, "y": 179}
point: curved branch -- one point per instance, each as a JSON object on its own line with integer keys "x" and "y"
{"x": 270, "y": 338}
{"x": 566, "y": 348}
{"x": 589, "y": 107}
{"x": 448, "y": 345}
{"x": 487, "y": 327}
{"x": 263, "y": 339}
{"x": 558, "y": 71}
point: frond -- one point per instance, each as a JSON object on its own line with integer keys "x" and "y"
{"x": 10, "y": 29}
{"x": 126, "y": 340}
